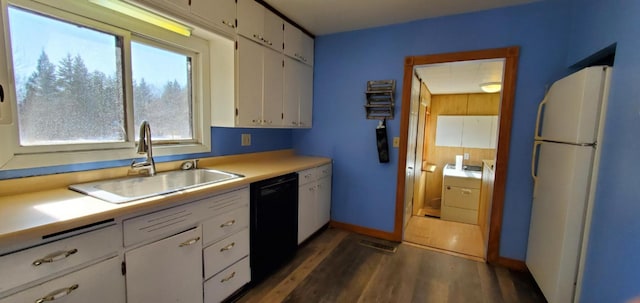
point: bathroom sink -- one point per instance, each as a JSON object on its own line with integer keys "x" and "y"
{"x": 465, "y": 167}
{"x": 134, "y": 188}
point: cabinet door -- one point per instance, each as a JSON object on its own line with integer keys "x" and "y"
{"x": 169, "y": 270}
{"x": 323, "y": 213}
{"x": 273, "y": 32}
{"x": 449, "y": 130}
{"x": 251, "y": 20}
{"x": 178, "y": 5}
{"x": 249, "y": 73}
{"x": 476, "y": 131}
{"x": 291, "y": 99}
{"x": 292, "y": 42}
{"x": 306, "y": 96}
{"x": 306, "y": 43}
{"x": 273, "y": 86}
{"x": 98, "y": 283}
{"x": 306, "y": 211}
{"x": 220, "y": 13}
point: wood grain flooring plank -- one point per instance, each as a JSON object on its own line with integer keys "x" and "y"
{"x": 334, "y": 267}
{"x": 490, "y": 289}
{"x": 395, "y": 279}
{"x": 341, "y": 277}
{"x": 281, "y": 283}
{"x": 508, "y": 290}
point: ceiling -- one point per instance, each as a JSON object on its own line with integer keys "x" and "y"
{"x": 322, "y": 17}
{"x": 460, "y": 77}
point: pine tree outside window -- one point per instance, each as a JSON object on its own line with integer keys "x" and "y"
{"x": 82, "y": 84}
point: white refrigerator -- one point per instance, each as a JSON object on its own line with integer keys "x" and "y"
{"x": 564, "y": 169}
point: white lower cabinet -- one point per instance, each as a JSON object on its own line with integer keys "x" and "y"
{"x": 168, "y": 270}
{"x": 174, "y": 268}
{"x": 225, "y": 283}
{"x": 99, "y": 283}
{"x": 314, "y": 200}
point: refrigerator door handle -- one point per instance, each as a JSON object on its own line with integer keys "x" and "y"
{"x": 540, "y": 106}
{"x": 534, "y": 158}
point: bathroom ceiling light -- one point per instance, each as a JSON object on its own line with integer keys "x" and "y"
{"x": 144, "y": 15}
{"x": 491, "y": 87}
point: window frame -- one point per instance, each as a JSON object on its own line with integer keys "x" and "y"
{"x": 15, "y": 156}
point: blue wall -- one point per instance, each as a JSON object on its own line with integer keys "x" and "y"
{"x": 613, "y": 266}
{"x": 363, "y": 189}
{"x": 224, "y": 141}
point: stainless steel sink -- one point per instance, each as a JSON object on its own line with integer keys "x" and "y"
{"x": 134, "y": 188}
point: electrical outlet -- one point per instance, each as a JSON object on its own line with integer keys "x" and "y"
{"x": 466, "y": 156}
{"x": 396, "y": 141}
{"x": 245, "y": 140}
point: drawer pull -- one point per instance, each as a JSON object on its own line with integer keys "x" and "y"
{"x": 190, "y": 242}
{"x": 55, "y": 295}
{"x": 228, "y": 223}
{"x": 228, "y": 247}
{"x": 55, "y": 257}
{"x": 233, "y": 274}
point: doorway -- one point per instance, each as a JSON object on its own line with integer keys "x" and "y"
{"x": 410, "y": 168}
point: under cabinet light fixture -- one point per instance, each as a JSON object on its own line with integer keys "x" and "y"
{"x": 144, "y": 15}
{"x": 491, "y": 87}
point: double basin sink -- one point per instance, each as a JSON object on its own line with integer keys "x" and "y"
{"x": 134, "y": 188}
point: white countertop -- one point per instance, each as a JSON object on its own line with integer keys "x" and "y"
{"x": 450, "y": 171}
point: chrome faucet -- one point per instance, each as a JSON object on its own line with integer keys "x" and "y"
{"x": 145, "y": 147}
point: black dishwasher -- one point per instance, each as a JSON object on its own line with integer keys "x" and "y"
{"x": 274, "y": 224}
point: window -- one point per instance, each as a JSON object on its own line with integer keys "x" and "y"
{"x": 68, "y": 81}
{"x": 85, "y": 78}
{"x": 162, "y": 96}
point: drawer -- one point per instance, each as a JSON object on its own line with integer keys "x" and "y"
{"x": 459, "y": 215}
{"x": 222, "y": 285}
{"x": 160, "y": 223}
{"x": 225, "y": 252}
{"x": 467, "y": 198}
{"x": 98, "y": 283}
{"x": 225, "y": 224}
{"x": 40, "y": 261}
{"x": 462, "y": 182}
{"x": 323, "y": 171}
{"x": 223, "y": 203}
{"x": 306, "y": 176}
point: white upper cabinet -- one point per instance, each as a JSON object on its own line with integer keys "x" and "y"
{"x": 259, "y": 24}
{"x": 219, "y": 15}
{"x": 298, "y": 94}
{"x": 259, "y": 85}
{"x": 467, "y": 131}
{"x": 449, "y": 130}
{"x": 297, "y": 44}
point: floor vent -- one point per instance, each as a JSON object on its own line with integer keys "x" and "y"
{"x": 379, "y": 246}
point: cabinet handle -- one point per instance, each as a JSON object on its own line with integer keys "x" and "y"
{"x": 233, "y": 274}
{"x": 190, "y": 242}
{"x": 229, "y": 24}
{"x": 228, "y": 247}
{"x": 57, "y": 256}
{"x": 57, "y": 294}
{"x": 301, "y": 123}
{"x": 466, "y": 191}
{"x": 448, "y": 187}
{"x": 294, "y": 122}
{"x": 228, "y": 223}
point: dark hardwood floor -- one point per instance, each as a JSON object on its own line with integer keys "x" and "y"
{"x": 335, "y": 267}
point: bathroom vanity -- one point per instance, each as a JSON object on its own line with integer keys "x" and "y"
{"x": 460, "y": 194}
